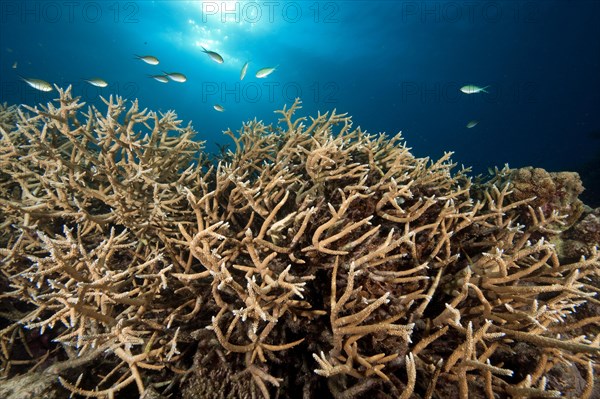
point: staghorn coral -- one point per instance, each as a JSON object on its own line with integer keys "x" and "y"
{"x": 582, "y": 236}
{"x": 8, "y": 116}
{"x": 553, "y": 191}
{"x": 315, "y": 259}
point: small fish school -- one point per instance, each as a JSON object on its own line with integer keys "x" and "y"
{"x": 165, "y": 77}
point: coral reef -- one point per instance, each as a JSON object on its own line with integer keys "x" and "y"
{"x": 581, "y": 237}
{"x": 8, "y": 116}
{"x": 552, "y": 191}
{"x": 315, "y": 260}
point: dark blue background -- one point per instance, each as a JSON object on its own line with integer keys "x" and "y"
{"x": 393, "y": 66}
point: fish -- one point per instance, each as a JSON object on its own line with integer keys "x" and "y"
{"x": 176, "y": 76}
{"x": 38, "y": 84}
{"x": 97, "y": 82}
{"x": 472, "y": 89}
{"x": 244, "y": 70}
{"x": 219, "y": 107}
{"x": 472, "y": 124}
{"x": 160, "y": 78}
{"x": 15, "y": 65}
{"x": 216, "y": 57}
{"x": 264, "y": 72}
{"x": 148, "y": 59}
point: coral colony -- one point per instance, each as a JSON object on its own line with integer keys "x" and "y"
{"x": 313, "y": 260}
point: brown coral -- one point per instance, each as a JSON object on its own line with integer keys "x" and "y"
{"x": 8, "y": 116}
{"x": 553, "y": 191}
{"x": 314, "y": 259}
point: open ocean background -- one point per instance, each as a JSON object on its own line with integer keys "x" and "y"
{"x": 393, "y": 65}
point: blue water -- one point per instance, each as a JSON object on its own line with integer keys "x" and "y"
{"x": 393, "y": 66}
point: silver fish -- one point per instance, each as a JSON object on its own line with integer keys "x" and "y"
{"x": 38, "y": 84}
{"x": 244, "y": 70}
{"x": 216, "y": 57}
{"x": 472, "y": 89}
{"x": 97, "y": 82}
{"x": 219, "y": 107}
{"x": 176, "y": 76}
{"x": 472, "y": 124}
{"x": 148, "y": 59}
{"x": 160, "y": 78}
{"x": 264, "y": 72}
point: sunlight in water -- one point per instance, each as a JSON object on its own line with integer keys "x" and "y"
{"x": 221, "y": 24}
{"x": 243, "y": 13}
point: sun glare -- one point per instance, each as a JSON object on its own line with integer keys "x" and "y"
{"x": 220, "y": 24}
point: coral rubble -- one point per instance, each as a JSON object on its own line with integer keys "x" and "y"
{"x": 314, "y": 260}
